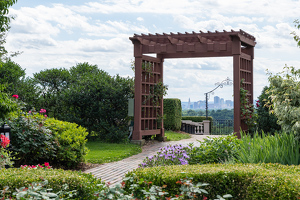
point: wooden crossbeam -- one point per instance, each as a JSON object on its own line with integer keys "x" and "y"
{"x": 175, "y": 41}
{"x": 203, "y": 39}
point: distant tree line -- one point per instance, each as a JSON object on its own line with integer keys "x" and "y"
{"x": 215, "y": 114}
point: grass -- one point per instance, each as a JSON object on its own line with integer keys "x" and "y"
{"x": 101, "y": 152}
{"x": 175, "y": 136}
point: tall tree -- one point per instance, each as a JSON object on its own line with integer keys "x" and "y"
{"x": 4, "y": 22}
{"x": 50, "y": 83}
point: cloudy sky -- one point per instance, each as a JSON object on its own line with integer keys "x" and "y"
{"x": 56, "y": 34}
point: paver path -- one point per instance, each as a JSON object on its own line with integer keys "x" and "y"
{"x": 114, "y": 172}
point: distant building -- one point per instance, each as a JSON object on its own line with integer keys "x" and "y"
{"x": 216, "y": 102}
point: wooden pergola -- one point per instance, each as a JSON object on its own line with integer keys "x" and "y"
{"x": 149, "y": 70}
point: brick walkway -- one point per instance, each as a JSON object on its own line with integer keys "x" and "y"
{"x": 114, "y": 172}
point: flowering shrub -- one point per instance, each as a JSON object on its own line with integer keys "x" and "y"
{"x": 32, "y": 142}
{"x": 168, "y": 155}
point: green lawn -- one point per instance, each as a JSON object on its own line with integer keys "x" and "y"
{"x": 109, "y": 152}
{"x": 174, "y": 136}
{"x": 100, "y": 152}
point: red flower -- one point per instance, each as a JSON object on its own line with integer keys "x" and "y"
{"x": 4, "y": 141}
{"x": 46, "y": 164}
{"x": 204, "y": 198}
{"x": 15, "y": 96}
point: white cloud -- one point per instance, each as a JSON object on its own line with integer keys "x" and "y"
{"x": 140, "y": 19}
{"x": 98, "y": 32}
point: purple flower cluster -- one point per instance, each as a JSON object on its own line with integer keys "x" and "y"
{"x": 168, "y": 155}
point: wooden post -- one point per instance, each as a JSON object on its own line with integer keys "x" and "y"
{"x": 236, "y": 51}
{"x": 136, "y": 134}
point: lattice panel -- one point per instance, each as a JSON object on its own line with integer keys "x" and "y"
{"x": 246, "y": 73}
{"x": 151, "y": 108}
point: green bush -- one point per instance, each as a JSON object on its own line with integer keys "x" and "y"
{"x": 172, "y": 112}
{"x": 84, "y": 184}
{"x": 215, "y": 150}
{"x": 242, "y": 181}
{"x": 37, "y": 139}
{"x": 71, "y": 139}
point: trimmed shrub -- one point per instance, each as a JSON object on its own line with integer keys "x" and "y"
{"x": 71, "y": 139}
{"x": 84, "y": 184}
{"x": 172, "y": 112}
{"x": 242, "y": 181}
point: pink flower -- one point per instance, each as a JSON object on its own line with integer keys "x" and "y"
{"x": 46, "y": 164}
{"x": 42, "y": 111}
{"x": 45, "y": 115}
{"x": 15, "y": 96}
{"x": 29, "y": 111}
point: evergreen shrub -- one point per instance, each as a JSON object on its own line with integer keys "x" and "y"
{"x": 242, "y": 181}
{"x": 172, "y": 112}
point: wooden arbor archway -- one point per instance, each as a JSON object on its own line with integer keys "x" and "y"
{"x": 149, "y": 70}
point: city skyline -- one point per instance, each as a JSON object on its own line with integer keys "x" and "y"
{"x": 217, "y": 103}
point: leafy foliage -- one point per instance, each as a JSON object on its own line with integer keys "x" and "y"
{"x": 266, "y": 121}
{"x": 71, "y": 139}
{"x": 215, "y": 150}
{"x": 284, "y": 92}
{"x": 296, "y": 37}
{"x": 37, "y": 191}
{"x": 98, "y": 102}
{"x": 281, "y": 148}
{"x": 247, "y": 109}
{"x": 11, "y": 75}
{"x": 7, "y": 104}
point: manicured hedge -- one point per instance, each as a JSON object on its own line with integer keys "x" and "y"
{"x": 84, "y": 184}
{"x": 172, "y": 112}
{"x": 242, "y": 181}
